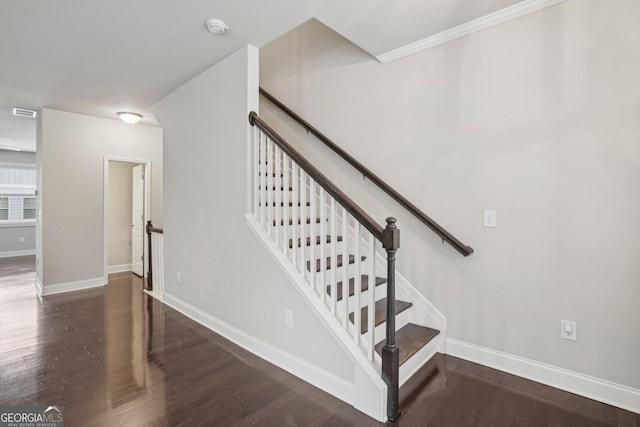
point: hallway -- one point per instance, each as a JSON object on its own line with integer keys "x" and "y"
{"x": 114, "y": 356}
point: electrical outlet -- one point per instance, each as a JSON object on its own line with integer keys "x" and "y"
{"x": 568, "y": 330}
{"x": 179, "y": 277}
{"x": 288, "y": 318}
{"x": 489, "y": 219}
{"x": 21, "y": 239}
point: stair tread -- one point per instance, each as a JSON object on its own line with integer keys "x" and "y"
{"x": 317, "y": 240}
{"x": 364, "y": 285}
{"x": 409, "y": 339}
{"x": 381, "y": 313}
{"x": 352, "y": 259}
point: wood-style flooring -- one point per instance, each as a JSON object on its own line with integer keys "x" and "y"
{"x": 114, "y": 356}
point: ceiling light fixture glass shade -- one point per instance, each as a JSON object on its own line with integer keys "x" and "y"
{"x": 131, "y": 118}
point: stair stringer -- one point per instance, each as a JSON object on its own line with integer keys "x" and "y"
{"x": 369, "y": 392}
{"x": 422, "y": 313}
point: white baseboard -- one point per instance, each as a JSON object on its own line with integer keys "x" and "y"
{"x": 312, "y": 374}
{"x": 11, "y": 254}
{"x": 584, "y": 385}
{"x": 38, "y": 284}
{"x": 119, "y": 268}
{"x": 157, "y": 296}
{"x": 69, "y": 286}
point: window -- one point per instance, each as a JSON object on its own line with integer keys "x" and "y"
{"x": 17, "y": 194}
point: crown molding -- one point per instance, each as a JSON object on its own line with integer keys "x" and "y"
{"x": 487, "y": 21}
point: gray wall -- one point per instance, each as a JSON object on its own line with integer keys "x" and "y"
{"x": 536, "y": 118}
{"x": 10, "y": 236}
{"x": 72, "y": 181}
{"x": 9, "y": 156}
{"x": 226, "y": 272}
{"x": 10, "y": 240}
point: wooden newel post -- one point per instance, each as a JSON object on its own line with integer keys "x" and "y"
{"x": 390, "y": 352}
{"x": 149, "y": 268}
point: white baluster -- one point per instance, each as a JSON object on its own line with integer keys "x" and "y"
{"x": 286, "y": 199}
{"x": 294, "y": 213}
{"x": 269, "y": 166}
{"x": 345, "y": 271}
{"x": 323, "y": 244}
{"x": 256, "y": 170}
{"x": 371, "y": 263}
{"x": 356, "y": 283}
{"x": 278, "y": 201}
{"x": 263, "y": 177}
{"x": 333, "y": 217}
{"x": 304, "y": 214}
{"x": 312, "y": 231}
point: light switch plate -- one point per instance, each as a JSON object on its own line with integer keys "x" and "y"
{"x": 568, "y": 330}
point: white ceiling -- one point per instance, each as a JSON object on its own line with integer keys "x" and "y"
{"x": 99, "y": 57}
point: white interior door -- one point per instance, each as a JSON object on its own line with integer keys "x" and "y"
{"x": 137, "y": 219}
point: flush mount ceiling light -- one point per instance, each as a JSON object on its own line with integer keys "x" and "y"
{"x": 216, "y": 26}
{"x": 131, "y": 118}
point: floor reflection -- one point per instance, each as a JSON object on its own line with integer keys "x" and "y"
{"x": 126, "y": 330}
{"x": 135, "y": 334}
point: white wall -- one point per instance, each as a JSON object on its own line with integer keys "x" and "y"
{"x": 226, "y": 273}
{"x": 536, "y": 118}
{"x": 119, "y": 215}
{"x": 71, "y": 158}
{"x": 10, "y": 244}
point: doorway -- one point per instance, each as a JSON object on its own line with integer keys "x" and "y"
{"x": 126, "y": 192}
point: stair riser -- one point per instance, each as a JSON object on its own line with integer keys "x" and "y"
{"x": 401, "y": 320}
{"x": 380, "y": 293}
{"x": 300, "y": 227}
{"x": 272, "y": 211}
{"x": 307, "y": 251}
{"x": 317, "y": 249}
{"x": 352, "y": 272}
{"x": 419, "y": 359}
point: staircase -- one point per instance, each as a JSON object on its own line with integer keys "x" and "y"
{"x": 343, "y": 262}
{"x": 410, "y": 337}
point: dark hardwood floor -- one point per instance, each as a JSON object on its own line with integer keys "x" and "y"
{"x": 114, "y": 356}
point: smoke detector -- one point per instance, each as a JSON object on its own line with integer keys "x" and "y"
{"x": 216, "y": 26}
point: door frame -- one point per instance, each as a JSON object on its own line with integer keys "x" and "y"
{"x": 105, "y": 216}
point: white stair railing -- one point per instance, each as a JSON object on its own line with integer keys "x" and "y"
{"x": 325, "y": 236}
{"x": 155, "y": 250}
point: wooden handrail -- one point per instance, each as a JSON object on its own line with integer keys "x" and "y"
{"x": 360, "y": 215}
{"x": 422, "y": 217}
